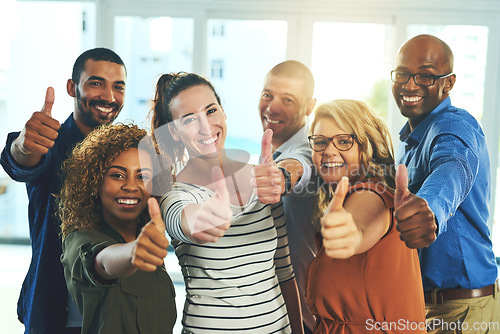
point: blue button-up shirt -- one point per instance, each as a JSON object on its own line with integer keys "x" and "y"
{"x": 448, "y": 165}
{"x": 42, "y": 305}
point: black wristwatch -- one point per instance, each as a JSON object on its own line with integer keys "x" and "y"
{"x": 288, "y": 181}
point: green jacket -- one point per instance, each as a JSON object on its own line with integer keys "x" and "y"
{"x": 141, "y": 303}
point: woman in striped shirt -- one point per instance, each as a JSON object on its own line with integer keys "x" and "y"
{"x": 232, "y": 249}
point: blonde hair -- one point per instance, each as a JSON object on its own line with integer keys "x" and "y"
{"x": 376, "y": 153}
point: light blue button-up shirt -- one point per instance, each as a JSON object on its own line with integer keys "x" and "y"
{"x": 448, "y": 165}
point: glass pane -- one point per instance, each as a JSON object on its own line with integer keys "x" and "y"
{"x": 469, "y": 45}
{"x": 37, "y": 51}
{"x": 343, "y": 68}
{"x": 150, "y": 47}
{"x": 239, "y": 55}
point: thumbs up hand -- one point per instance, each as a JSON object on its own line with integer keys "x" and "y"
{"x": 402, "y": 194}
{"x": 415, "y": 221}
{"x": 266, "y": 149}
{"x": 212, "y": 218}
{"x": 341, "y": 236}
{"x": 38, "y": 135}
{"x": 150, "y": 247}
{"x": 268, "y": 181}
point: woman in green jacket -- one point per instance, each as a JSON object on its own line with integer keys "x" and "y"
{"x": 113, "y": 248}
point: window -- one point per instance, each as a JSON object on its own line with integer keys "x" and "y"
{"x": 218, "y": 30}
{"x": 30, "y": 61}
{"x": 149, "y": 48}
{"x": 343, "y": 68}
{"x": 217, "y": 69}
{"x": 247, "y": 51}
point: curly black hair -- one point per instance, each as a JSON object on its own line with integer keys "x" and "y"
{"x": 79, "y": 205}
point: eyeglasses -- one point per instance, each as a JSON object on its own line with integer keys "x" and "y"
{"x": 419, "y": 79}
{"x": 342, "y": 142}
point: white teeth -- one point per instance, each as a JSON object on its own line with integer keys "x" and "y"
{"x": 209, "y": 141}
{"x": 333, "y": 164}
{"x": 105, "y": 110}
{"x": 411, "y": 98}
{"x": 272, "y": 121}
{"x": 127, "y": 201}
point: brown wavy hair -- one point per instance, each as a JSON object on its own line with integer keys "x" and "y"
{"x": 79, "y": 205}
{"x": 376, "y": 153}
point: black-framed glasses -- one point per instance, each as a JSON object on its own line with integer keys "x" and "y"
{"x": 342, "y": 142}
{"x": 421, "y": 79}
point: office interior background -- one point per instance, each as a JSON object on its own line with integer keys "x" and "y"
{"x": 350, "y": 47}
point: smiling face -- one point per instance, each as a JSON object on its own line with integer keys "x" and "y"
{"x": 422, "y": 55}
{"x": 283, "y": 107}
{"x": 99, "y": 94}
{"x": 199, "y": 121}
{"x": 125, "y": 188}
{"x": 332, "y": 164}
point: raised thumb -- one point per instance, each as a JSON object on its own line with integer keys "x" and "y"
{"x": 220, "y": 184}
{"x": 155, "y": 214}
{"x": 266, "y": 149}
{"x": 402, "y": 192}
{"x": 49, "y": 102}
{"x": 337, "y": 202}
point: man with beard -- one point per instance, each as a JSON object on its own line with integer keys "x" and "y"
{"x": 34, "y": 156}
{"x": 285, "y": 103}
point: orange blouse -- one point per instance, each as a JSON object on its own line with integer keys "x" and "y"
{"x": 378, "y": 291}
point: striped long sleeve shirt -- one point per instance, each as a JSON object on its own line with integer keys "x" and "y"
{"x": 232, "y": 285}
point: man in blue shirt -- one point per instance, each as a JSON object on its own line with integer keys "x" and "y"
{"x": 444, "y": 150}
{"x": 34, "y": 156}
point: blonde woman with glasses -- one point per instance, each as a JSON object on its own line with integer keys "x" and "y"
{"x": 364, "y": 279}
